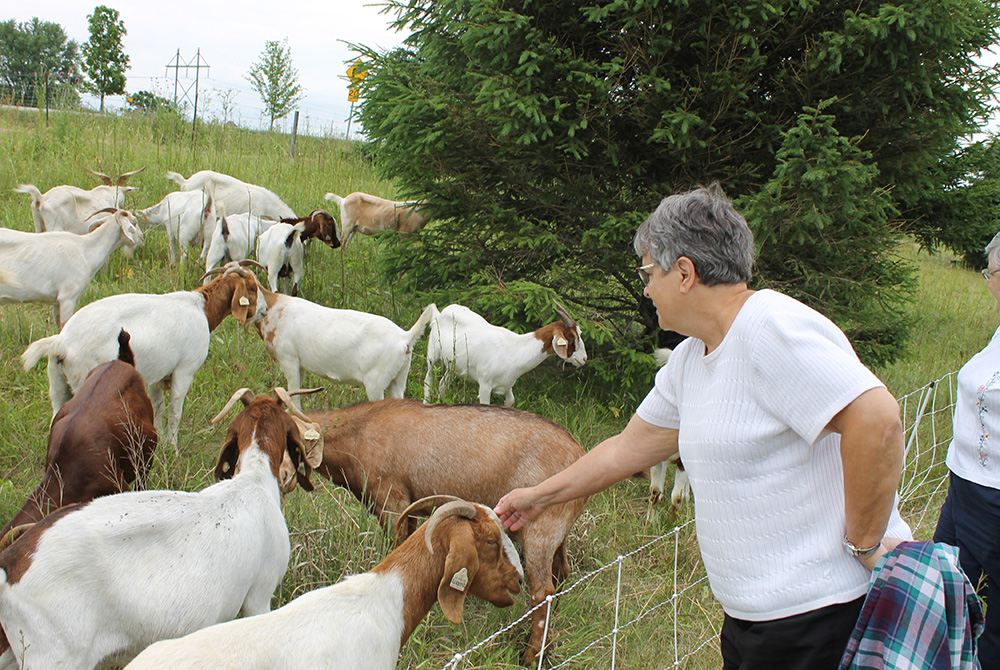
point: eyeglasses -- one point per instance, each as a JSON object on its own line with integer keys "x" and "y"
{"x": 644, "y": 275}
{"x": 987, "y": 273}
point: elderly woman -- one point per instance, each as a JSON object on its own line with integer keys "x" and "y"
{"x": 970, "y": 516}
{"x": 793, "y": 447}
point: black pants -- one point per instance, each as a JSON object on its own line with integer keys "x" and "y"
{"x": 811, "y": 641}
{"x": 970, "y": 520}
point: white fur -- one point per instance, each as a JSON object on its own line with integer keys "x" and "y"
{"x": 236, "y": 196}
{"x": 129, "y": 569}
{"x": 57, "y": 267}
{"x": 244, "y": 229}
{"x": 658, "y": 473}
{"x": 340, "y": 344}
{"x": 356, "y": 624}
{"x": 273, "y": 253}
{"x": 170, "y": 339}
{"x": 370, "y": 214}
{"x": 493, "y": 357}
{"x": 188, "y": 217}
{"x": 68, "y": 207}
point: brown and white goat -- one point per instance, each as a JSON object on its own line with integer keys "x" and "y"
{"x": 494, "y": 357}
{"x": 98, "y": 582}
{"x": 370, "y": 214}
{"x": 170, "y": 333}
{"x": 282, "y": 247}
{"x": 362, "y": 622}
{"x": 101, "y": 441}
{"x": 395, "y": 451}
{"x": 68, "y": 207}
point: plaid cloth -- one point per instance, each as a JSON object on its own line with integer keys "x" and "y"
{"x": 920, "y": 612}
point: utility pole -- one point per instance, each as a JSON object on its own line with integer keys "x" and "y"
{"x": 177, "y": 64}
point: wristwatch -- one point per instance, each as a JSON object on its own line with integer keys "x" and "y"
{"x": 858, "y": 552}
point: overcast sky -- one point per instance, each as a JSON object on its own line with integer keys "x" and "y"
{"x": 231, "y": 38}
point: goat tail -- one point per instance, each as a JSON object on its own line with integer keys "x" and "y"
{"x": 333, "y": 197}
{"x": 31, "y": 190}
{"x": 417, "y": 331}
{"x": 47, "y": 346}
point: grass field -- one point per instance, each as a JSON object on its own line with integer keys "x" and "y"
{"x": 332, "y": 535}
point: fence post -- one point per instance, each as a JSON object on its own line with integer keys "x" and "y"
{"x": 295, "y": 132}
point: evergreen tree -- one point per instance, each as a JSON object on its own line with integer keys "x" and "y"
{"x": 276, "y": 80}
{"x": 104, "y": 60}
{"x": 542, "y": 132}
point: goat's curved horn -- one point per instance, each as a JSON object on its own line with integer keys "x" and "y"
{"x": 563, "y": 314}
{"x": 106, "y": 210}
{"x": 123, "y": 177}
{"x": 213, "y": 271}
{"x": 249, "y": 261}
{"x": 100, "y": 175}
{"x": 244, "y": 394}
{"x": 11, "y": 536}
{"x": 452, "y": 507}
{"x": 286, "y": 397}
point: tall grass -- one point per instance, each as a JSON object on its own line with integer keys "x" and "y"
{"x": 332, "y": 534}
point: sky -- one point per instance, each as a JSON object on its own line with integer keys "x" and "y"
{"x": 231, "y": 37}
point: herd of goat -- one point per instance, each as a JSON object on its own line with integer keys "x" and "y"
{"x": 92, "y": 572}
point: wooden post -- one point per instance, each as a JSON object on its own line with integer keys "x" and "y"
{"x": 295, "y": 132}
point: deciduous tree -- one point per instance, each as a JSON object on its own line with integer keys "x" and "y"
{"x": 542, "y": 132}
{"x": 32, "y": 53}
{"x": 104, "y": 59}
{"x": 276, "y": 80}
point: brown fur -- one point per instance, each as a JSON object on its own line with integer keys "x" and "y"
{"x": 557, "y": 329}
{"x": 320, "y": 225}
{"x": 392, "y": 452}
{"x": 101, "y": 441}
{"x": 222, "y": 298}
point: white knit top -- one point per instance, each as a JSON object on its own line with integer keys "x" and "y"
{"x": 974, "y": 452}
{"x": 766, "y": 474}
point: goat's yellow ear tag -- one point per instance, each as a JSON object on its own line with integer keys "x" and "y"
{"x": 311, "y": 434}
{"x": 244, "y": 301}
{"x": 561, "y": 342}
{"x": 460, "y": 580}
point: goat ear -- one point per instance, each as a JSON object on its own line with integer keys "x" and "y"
{"x": 311, "y": 441}
{"x": 225, "y": 467}
{"x": 560, "y": 344}
{"x": 460, "y": 568}
{"x": 240, "y": 305}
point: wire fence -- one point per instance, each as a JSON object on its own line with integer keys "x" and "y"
{"x": 927, "y": 416}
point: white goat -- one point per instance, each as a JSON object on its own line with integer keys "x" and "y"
{"x": 57, "y": 267}
{"x": 494, "y": 357}
{"x": 339, "y": 344}
{"x": 99, "y": 582}
{"x": 170, "y": 337}
{"x": 68, "y": 207}
{"x": 188, "y": 217}
{"x": 234, "y": 237}
{"x": 362, "y": 622}
{"x": 280, "y": 249}
{"x": 370, "y": 214}
{"x": 658, "y": 473}
{"x": 236, "y": 196}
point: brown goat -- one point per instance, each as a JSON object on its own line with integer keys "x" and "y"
{"x": 101, "y": 441}
{"x": 392, "y": 452}
{"x": 318, "y": 225}
{"x": 370, "y": 214}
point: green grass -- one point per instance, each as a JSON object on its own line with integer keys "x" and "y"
{"x": 332, "y": 535}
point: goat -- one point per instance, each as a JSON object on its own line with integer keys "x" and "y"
{"x": 68, "y": 207}
{"x": 658, "y": 473}
{"x": 233, "y": 237}
{"x": 362, "y": 622}
{"x": 492, "y": 356}
{"x": 282, "y": 247}
{"x": 392, "y": 452}
{"x": 369, "y": 214}
{"x": 236, "y": 196}
{"x": 57, "y": 267}
{"x": 170, "y": 337}
{"x": 340, "y": 344}
{"x": 99, "y": 582}
{"x": 101, "y": 441}
{"x": 188, "y": 217}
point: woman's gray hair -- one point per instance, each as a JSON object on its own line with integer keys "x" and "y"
{"x": 704, "y": 226}
{"x": 993, "y": 252}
